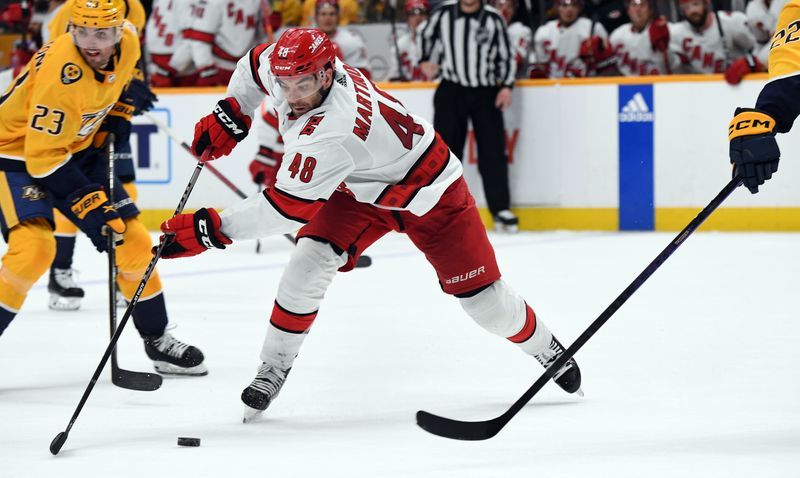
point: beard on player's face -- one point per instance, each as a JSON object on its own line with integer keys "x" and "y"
{"x": 696, "y": 14}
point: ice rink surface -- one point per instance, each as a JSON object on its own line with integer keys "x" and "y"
{"x": 696, "y": 376}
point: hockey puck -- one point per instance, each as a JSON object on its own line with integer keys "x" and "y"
{"x": 188, "y": 441}
{"x": 364, "y": 261}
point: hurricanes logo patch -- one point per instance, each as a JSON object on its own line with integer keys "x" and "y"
{"x": 71, "y": 73}
{"x": 32, "y": 193}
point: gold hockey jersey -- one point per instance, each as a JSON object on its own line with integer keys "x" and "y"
{"x": 784, "y": 54}
{"x": 55, "y": 105}
{"x": 134, "y": 13}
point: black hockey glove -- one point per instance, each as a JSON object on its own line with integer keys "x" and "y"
{"x": 139, "y": 95}
{"x": 754, "y": 152}
{"x": 95, "y": 215}
{"x": 120, "y": 127}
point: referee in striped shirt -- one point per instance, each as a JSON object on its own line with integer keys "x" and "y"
{"x": 477, "y": 68}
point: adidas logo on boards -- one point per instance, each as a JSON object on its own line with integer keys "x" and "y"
{"x": 635, "y": 111}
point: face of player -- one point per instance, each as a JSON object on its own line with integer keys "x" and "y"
{"x": 506, "y": 9}
{"x": 95, "y": 44}
{"x": 639, "y": 13}
{"x": 568, "y": 13}
{"x": 415, "y": 18}
{"x": 304, "y": 93}
{"x": 327, "y": 19}
{"x": 695, "y": 11}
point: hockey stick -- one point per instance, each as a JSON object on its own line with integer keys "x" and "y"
{"x": 266, "y": 10}
{"x": 363, "y": 261}
{"x": 142, "y": 381}
{"x": 392, "y": 15}
{"x": 174, "y": 136}
{"x": 482, "y": 430}
{"x": 61, "y": 437}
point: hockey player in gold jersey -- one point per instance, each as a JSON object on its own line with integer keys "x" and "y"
{"x": 753, "y": 149}
{"x": 54, "y": 119}
{"x": 65, "y": 293}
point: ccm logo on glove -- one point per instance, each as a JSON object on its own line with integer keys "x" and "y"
{"x": 228, "y": 122}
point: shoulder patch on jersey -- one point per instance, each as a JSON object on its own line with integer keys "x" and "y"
{"x": 311, "y": 125}
{"x": 71, "y": 73}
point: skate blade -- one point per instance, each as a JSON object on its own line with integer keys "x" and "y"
{"x": 579, "y": 392}
{"x": 503, "y": 229}
{"x": 251, "y": 414}
{"x": 166, "y": 368}
{"x": 58, "y": 302}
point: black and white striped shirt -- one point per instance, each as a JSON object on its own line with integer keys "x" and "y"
{"x": 475, "y": 50}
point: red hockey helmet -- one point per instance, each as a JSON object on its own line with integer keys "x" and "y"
{"x": 416, "y": 7}
{"x": 301, "y": 51}
{"x": 298, "y": 62}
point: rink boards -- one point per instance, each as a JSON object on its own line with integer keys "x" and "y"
{"x": 585, "y": 154}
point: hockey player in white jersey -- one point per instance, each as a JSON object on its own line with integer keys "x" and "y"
{"x": 714, "y": 42}
{"x": 520, "y": 36}
{"x": 571, "y": 45}
{"x": 762, "y": 15}
{"x": 408, "y": 49}
{"x": 164, "y": 32}
{"x": 351, "y": 46}
{"x": 221, "y": 32}
{"x": 356, "y": 166}
{"x": 641, "y": 46}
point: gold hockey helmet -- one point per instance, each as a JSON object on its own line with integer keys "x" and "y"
{"x": 97, "y": 13}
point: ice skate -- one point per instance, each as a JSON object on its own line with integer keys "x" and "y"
{"x": 569, "y": 377}
{"x": 170, "y": 356}
{"x": 64, "y": 291}
{"x": 262, "y": 391}
{"x": 506, "y": 221}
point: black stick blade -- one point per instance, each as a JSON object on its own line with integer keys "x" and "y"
{"x": 456, "y": 429}
{"x": 139, "y": 381}
{"x": 58, "y": 442}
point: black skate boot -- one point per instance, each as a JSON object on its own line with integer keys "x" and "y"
{"x": 262, "y": 390}
{"x": 64, "y": 291}
{"x": 170, "y": 356}
{"x": 506, "y": 221}
{"x": 569, "y": 377}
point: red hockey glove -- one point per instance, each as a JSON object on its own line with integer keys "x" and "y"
{"x": 590, "y": 48}
{"x": 659, "y": 34}
{"x": 222, "y": 129}
{"x": 539, "y": 71}
{"x": 191, "y": 234}
{"x": 596, "y": 54}
{"x": 264, "y": 168}
{"x": 207, "y": 76}
{"x": 742, "y": 66}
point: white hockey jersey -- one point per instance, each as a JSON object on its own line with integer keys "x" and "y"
{"x": 360, "y": 141}
{"x": 520, "y": 37}
{"x": 635, "y": 54}
{"x": 164, "y": 26}
{"x": 221, "y": 32}
{"x": 408, "y": 52}
{"x": 762, "y": 16}
{"x": 712, "y": 50}
{"x": 265, "y": 123}
{"x": 560, "y": 46}
{"x": 352, "y": 48}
